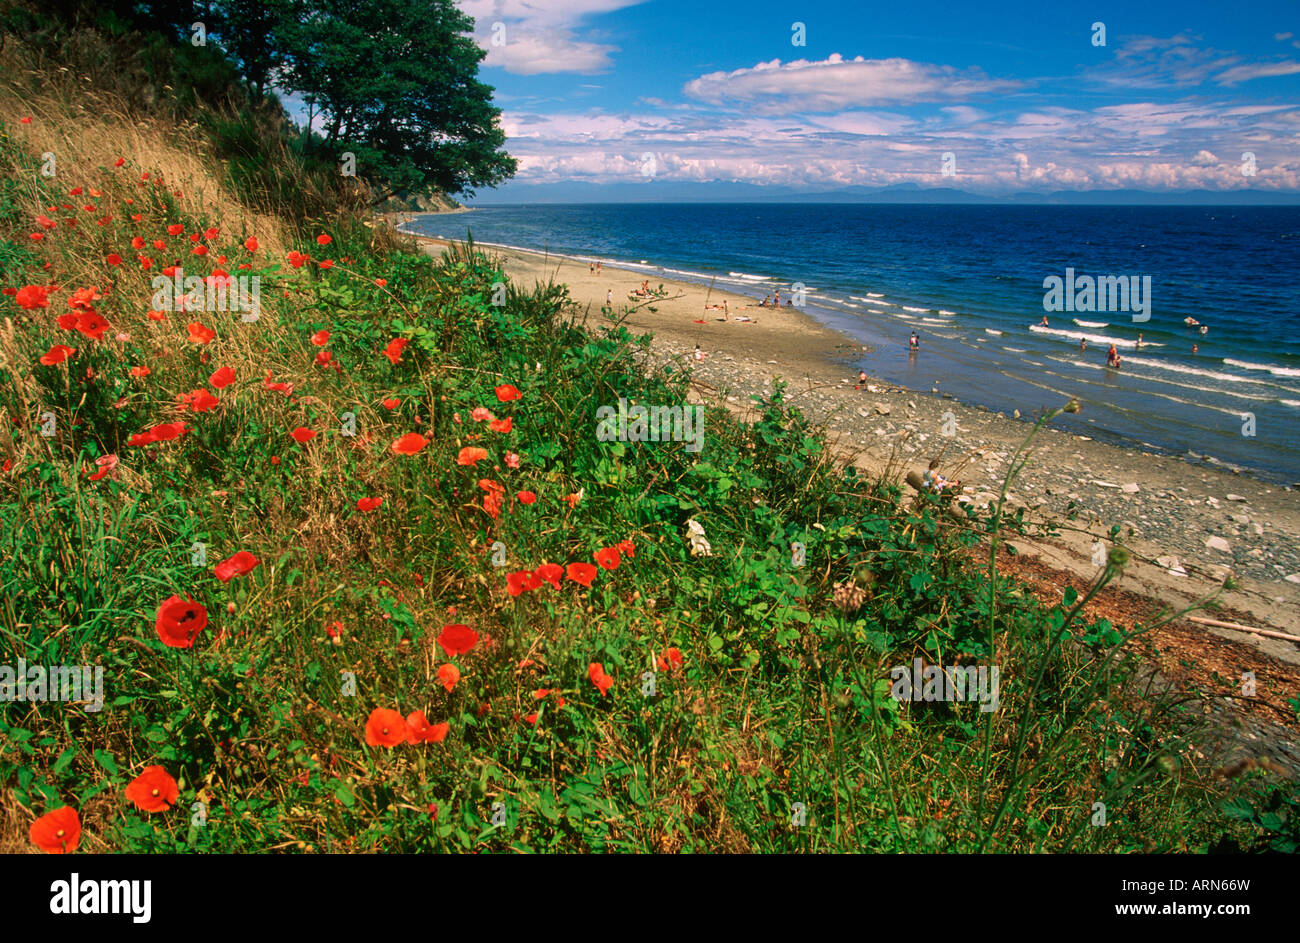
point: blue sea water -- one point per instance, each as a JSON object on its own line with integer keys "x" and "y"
{"x": 970, "y": 281}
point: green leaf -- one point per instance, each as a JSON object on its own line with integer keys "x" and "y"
{"x": 105, "y": 759}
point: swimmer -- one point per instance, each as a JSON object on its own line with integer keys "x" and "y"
{"x": 1044, "y": 321}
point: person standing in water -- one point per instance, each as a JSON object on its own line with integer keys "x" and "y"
{"x": 1195, "y": 349}
{"x": 777, "y": 302}
{"x": 1083, "y": 344}
{"x": 1139, "y": 344}
{"x": 914, "y": 343}
{"x": 1044, "y": 321}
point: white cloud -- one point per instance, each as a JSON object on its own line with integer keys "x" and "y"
{"x": 837, "y": 83}
{"x": 1260, "y": 70}
{"x": 541, "y": 36}
{"x": 537, "y": 51}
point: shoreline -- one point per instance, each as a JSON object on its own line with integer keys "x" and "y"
{"x": 1168, "y": 508}
{"x": 845, "y": 345}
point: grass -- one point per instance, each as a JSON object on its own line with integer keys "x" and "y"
{"x": 750, "y": 707}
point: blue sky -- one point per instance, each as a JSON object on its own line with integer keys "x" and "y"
{"x": 625, "y": 92}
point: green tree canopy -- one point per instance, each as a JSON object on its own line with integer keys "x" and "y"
{"x": 396, "y": 83}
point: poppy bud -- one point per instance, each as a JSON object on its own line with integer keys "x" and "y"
{"x": 230, "y": 608}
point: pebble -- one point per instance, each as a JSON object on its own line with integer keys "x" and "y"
{"x": 1218, "y": 543}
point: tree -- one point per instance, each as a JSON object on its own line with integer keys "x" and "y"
{"x": 251, "y": 32}
{"x": 396, "y": 83}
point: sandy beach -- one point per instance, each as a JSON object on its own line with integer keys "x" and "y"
{"x": 1175, "y": 517}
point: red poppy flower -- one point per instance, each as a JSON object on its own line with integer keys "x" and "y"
{"x": 161, "y": 433}
{"x": 323, "y": 240}
{"x": 457, "y": 639}
{"x": 200, "y": 334}
{"x": 323, "y": 358}
{"x": 526, "y": 497}
{"x": 153, "y": 790}
{"x": 175, "y": 229}
{"x": 602, "y": 681}
{"x": 470, "y": 455}
{"x": 385, "y": 728}
{"x": 671, "y": 660}
{"x": 251, "y": 243}
{"x": 501, "y": 425}
{"x": 140, "y": 371}
{"x": 57, "y": 832}
{"x": 394, "y": 349}
{"x": 391, "y": 403}
{"x": 607, "y": 557}
{"x": 237, "y": 565}
{"x": 33, "y": 296}
{"x": 515, "y": 582}
{"x": 550, "y": 572}
{"x": 92, "y": 325}
{"x": 419, "y": 730}
{"x": 57, "y": 354}
{"x": 507, "y": 393}
{"x": 113, "y": 259}
{"x": 321, "y": 338}
{"x": 201, "y": 401}
{"x": 178, "y": 621}
{"x": 296, "y": 259}
{"x": 448, "y": 675}
{"x": 303, "y": 434}
{"x": 581, "y": 573}
{"x": 222, "y": 378}
{"x": 409, "y": 444}
{"x": 368, "y": 504}
{"x": 156, "y": 316}
{"x": 626, "y": 548}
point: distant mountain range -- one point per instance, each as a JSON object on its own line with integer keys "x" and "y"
{"x": 652, "y": 191}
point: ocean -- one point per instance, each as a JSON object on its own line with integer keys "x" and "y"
{"x": 969, "y": 280}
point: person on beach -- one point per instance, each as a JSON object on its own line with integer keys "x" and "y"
{"x": 699, "y": 354}
{"x": 914, "y": 343}
{"x": 777, "y": 302}
{"x": 767, "y": 300}
{"x": 936, "y": 482}
{"x": 862, "y": 380}
{"x": 609, "y": 296}
{"x": 726, "y": 311}
{"x": 591, "y": 268}
{"x": 597, "y": 268}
